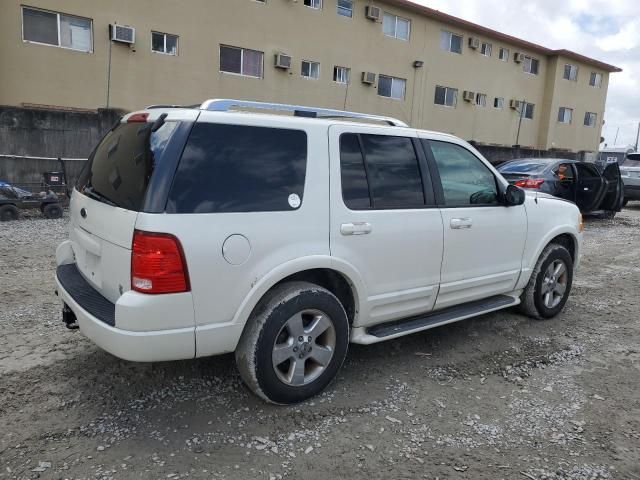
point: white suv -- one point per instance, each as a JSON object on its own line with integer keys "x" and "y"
{"x": 282, "y": 238}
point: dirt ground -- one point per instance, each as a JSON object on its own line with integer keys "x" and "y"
{"x": 496, "y": 397}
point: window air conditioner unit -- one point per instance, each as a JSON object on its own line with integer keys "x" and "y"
{"x": 518, "y": 57}
{"x": 468, "y": 96}
{"x": 368, "y": 78}
{"x": 513, "y": 103}
{"x": 283, "y": 61}
{"x": 373, "y": 13}
{"x": 474, "y": 42}
{"x": 123, "y": 34}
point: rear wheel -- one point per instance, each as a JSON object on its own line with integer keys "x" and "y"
{"x": 52, "y": 210}
{"x": 8, "y": 213}
{"x": 550, "y": 283}
{"x": 294, "y": 344}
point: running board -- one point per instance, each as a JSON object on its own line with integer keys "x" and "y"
{"x": 442, "y": 317}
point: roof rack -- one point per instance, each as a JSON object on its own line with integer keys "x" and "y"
{"x": 226, "y": 104}
{"x": 162, "y": 105}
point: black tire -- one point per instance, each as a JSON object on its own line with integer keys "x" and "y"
{"x": 532, "y": 298}
{"x": 609, "y": 214}
{"x": 52, "y": 210}
{"x": 8, "y": 213}
{"x": 254, "y": 354}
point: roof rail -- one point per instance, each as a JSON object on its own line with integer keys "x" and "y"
{"x": 162, "y": 105}
{"x": 226, "y": 104}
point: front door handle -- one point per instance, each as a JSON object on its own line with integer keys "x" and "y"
{"x": 356, "y": 228}
{"x": 458, "y": 223}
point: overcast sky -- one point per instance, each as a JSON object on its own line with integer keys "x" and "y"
{"x": 608, "y": 30}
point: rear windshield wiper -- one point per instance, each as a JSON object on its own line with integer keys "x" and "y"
{"x": 91, "y": 192}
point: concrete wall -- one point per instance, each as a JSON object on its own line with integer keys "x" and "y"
{"x": 116, "y": 75}
{"x": 24, "y": 171}
{"x": 52, "y": 133}
{"x": 498, "y": 155}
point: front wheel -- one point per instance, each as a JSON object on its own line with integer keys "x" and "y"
{"x": 550, "y": 283}
{"x": 294, "y": 344}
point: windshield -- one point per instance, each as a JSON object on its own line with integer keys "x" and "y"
{"x": 119, "y": 170}
{"x": 524, "y": 166}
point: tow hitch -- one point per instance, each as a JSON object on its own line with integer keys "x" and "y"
{"x": 69, "y": 318}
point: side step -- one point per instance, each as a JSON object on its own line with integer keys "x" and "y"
{"x": 441, "y": 317}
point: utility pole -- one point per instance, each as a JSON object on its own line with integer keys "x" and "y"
{"x": 615, "y": 140}
{"x": 637, "y": 137}
{"x": 523, "y": 105}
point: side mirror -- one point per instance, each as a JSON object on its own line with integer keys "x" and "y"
{"x": 513, "y": 196}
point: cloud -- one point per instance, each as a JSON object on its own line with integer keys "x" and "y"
{"x": 608, "y": 30}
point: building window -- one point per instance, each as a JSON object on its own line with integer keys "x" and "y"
{"x": 590, "y": 119}
{"x": 481, "y": 99}
{"x": 451, "y": 42}
{"x": 341, "y": 74}
{"x": 527, "y": 111}
{"x": 565, "y": 114}
{"x": 446, "y": 96}
{"x": 394, "y": 26}
{"x": 241, "y": 61}
{"x": 345, "y": 8}
{"x": 530, "y": 65}
{"x": 57, "y": 29}
{"x": 570, "y": 72}
{"x": 498, "y": 102}
{"x": 595, "y": 80}
{"x": 310, "y": 70}
{"x": 504, "y": 54}
{"x": 391, "y": 87}
{"x": 317, "y": 4}
{"x": 164, "y": 43}
{"x": 485, "y": 49}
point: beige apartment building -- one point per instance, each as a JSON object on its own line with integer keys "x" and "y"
{"x": 388, "y": 57}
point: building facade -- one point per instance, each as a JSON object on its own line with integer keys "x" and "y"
{"x": 389, "y": 57}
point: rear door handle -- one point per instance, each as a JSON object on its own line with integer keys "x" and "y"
{"x": 458, "y": 223}
{"x": 356, "y": 228}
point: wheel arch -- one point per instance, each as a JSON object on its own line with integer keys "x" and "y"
{"x": 339, "y": 277}
{"x": 569, "y": 238}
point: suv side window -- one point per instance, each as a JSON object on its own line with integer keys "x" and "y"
{"x": 355, "y": 188}
{"x": 384, "y": 173}
{"x": 238, "y": 168}
{"x": 465, "y": 179}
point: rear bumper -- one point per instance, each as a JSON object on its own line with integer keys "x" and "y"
{"x": 96, "y": 317}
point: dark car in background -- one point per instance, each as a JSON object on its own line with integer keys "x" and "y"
{"x": 593, "y": 188}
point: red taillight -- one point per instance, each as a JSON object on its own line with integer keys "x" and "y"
{"x": 157, "y": 264}
{"x": 530, "y": 183}
{"x": 138, "y": 117}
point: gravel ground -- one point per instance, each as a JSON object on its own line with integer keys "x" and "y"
{"x": 496, "y": 397}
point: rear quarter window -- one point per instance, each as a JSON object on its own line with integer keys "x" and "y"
{"x": 120, "y": 168}
{"x": 238, "y": 168}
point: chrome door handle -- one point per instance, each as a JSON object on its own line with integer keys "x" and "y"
{"x": 356, "y": 228}
{"x": 458, "y": 223}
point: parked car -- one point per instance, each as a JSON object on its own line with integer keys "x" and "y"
{"x": 282, "y": 238}
{"x": 594, "y": 189}
{"x": 630, "y": 171}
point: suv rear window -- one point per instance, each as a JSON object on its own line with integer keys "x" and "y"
{"x": 237, "y": 168}
{"x": 385, "y": 171}
{"x": 119, "y": 170}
